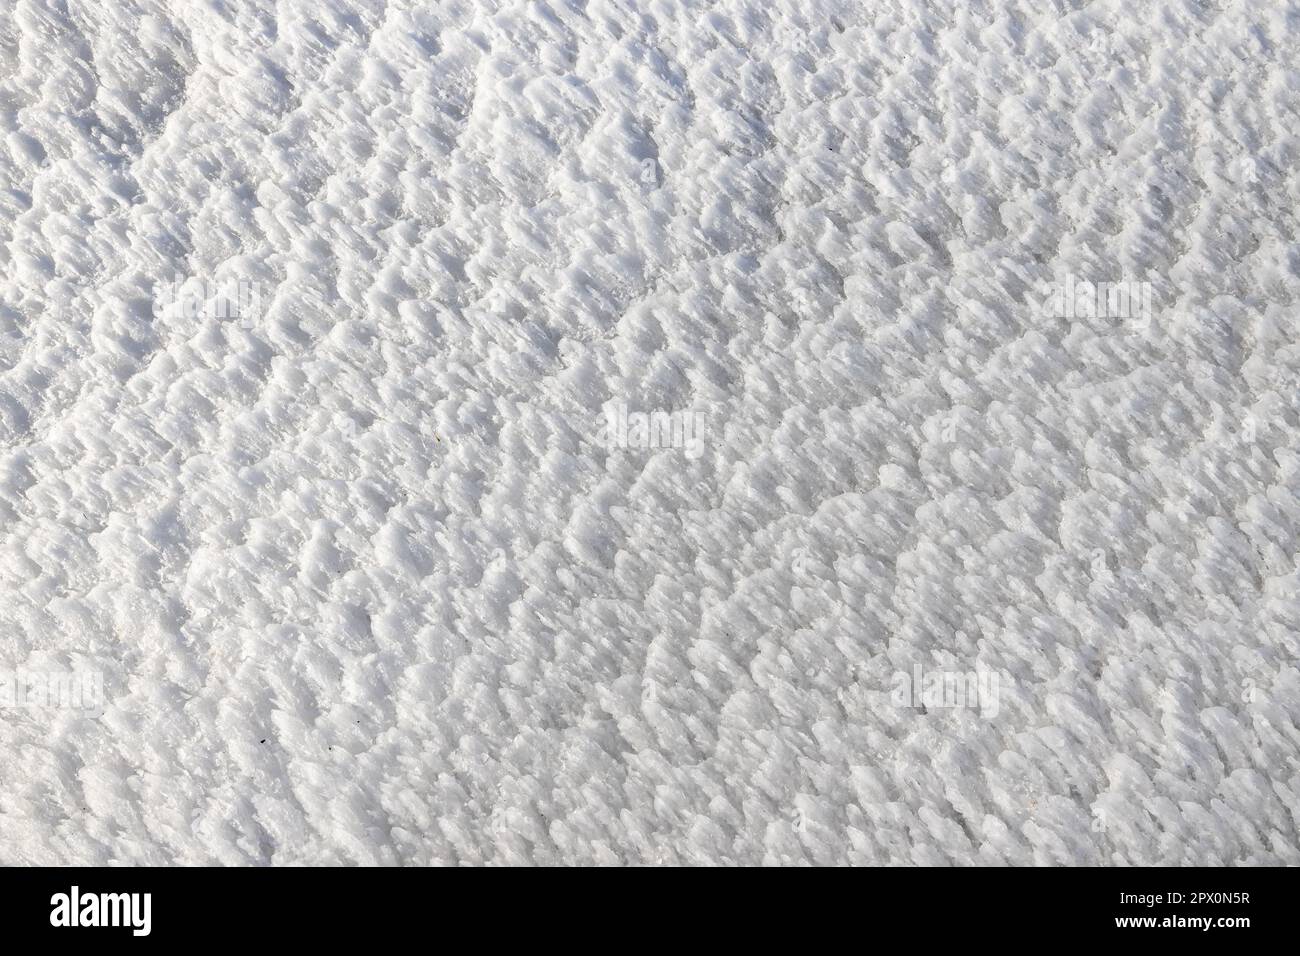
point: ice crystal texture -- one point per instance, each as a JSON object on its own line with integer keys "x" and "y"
{"x": 650, "y": 431}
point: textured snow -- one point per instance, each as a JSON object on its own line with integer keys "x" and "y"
{"x": 353, "y": 355}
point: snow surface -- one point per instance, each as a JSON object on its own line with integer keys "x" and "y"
{"x": 367, "y": 573}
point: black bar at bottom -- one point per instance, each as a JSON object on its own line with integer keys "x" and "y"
{"x": 1220, "y": 907}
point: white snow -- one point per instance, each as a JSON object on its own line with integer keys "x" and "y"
{"x": 312, "y": 317}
